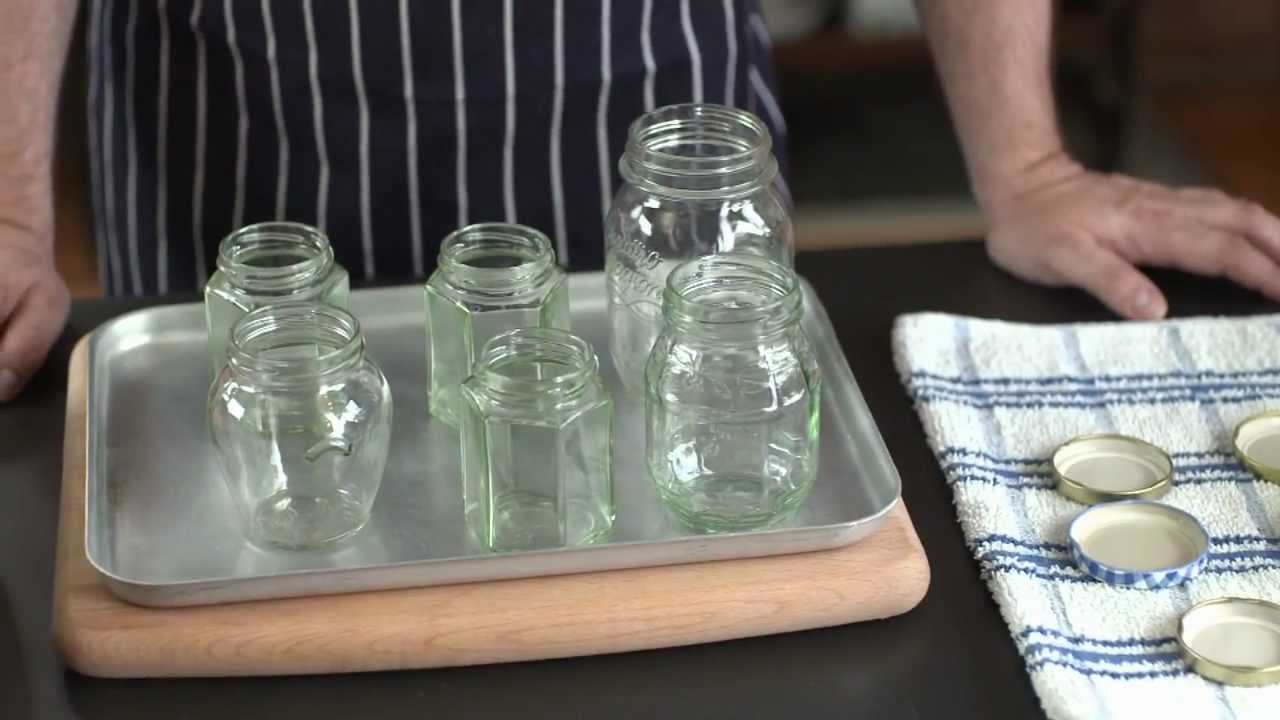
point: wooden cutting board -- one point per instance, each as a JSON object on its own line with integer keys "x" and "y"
{"x": 585, "y": 614}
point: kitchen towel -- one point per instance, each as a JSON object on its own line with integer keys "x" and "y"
{"x": 997, "y": 398}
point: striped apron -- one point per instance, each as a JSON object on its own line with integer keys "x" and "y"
{"x": 386, "y": 123}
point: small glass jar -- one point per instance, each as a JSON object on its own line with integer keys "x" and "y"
{"x": 489, "y": 278}
{"x": 301, "y": 420}
{"x": 698, "y": 180}
{"x": 537, "y": 443}
{"x": 733, "y": 395}
{"x": 269, "y": 263}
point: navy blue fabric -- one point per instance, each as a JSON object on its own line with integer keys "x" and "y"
{"x": 162, "y": 206}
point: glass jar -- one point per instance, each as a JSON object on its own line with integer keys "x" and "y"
{"x": 489, "y": 278}
{"x": 268, "y": 263}
{"x": 732, "y": 395}
{"x": 537, "y": 443}
{"x": 301, "y": 420}
{"x": 698, "y": 181}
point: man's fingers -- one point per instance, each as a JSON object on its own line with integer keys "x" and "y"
{"x": 1208, "y": 250}
{"x": 1245, "y": 264}
{"x": 1110, "y": 278}
{"x": 1233, "y": 215}
{"x": 28, "y": 333}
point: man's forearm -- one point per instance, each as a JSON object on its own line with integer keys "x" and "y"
{"x": 33, "y": 48}
{"x": 993, "y": 58}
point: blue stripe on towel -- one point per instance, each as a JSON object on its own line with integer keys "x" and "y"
{"x": 1223, "y": 542}
{"x": 966, "y": 473}
{"x": 1060, "y": 636}
{"x": 1101, "y": 657}
{"x": 1039, "y": 400}
{"x": 1033, "y": 666}
{"x": 1203, "y": 376}
{"x": 952, "y": 451}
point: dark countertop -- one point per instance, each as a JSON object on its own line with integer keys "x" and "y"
{"x": 951, "y": 657}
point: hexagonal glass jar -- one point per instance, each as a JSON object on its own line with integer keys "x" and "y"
{"x": 264, "y": 264}
{"x": 489, "y": 278}
{"x": 537, "y": 443}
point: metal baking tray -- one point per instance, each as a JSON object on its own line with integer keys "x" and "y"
{"x": 160, "y": 527}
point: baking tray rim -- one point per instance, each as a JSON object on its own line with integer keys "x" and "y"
{"x": 144, "y": 592}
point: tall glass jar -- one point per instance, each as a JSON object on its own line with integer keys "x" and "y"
{"x": 301, "y": 420}
{"x": 733, "y": 395}
{"x": 537, "y": 443}
{"x": 489, "y": 278}
{"x": 269, "y": 263}
{"x": 698, "y": 180}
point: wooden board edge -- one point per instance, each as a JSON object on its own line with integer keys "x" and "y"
{"x": 114, "y": 639}
{"x": 77, "y": 650}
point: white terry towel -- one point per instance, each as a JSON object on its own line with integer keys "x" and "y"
{"x": 997, "y": 398}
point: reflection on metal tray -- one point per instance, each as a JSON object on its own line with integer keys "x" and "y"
{"x": 161, "y": 529}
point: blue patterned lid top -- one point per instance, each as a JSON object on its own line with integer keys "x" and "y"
{"x": 1138, "y": 543}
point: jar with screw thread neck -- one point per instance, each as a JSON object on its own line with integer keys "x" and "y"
{"x": 537, "y": 443}
{"x": 301, "y": 421}
{"x": 264, "y": 264}
{"x": 733, "y": 395}
{"x": 698, "y": 180}
{"x": 489, "y": 278}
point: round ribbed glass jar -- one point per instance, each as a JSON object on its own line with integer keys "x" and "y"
{"x": 301, "y": 420}
{"x": 537, "y": 443}
{"x": 732, "y": 395}
{"x": 489, "y": 278}
{"x": 269, "y": 263}
{"x": 698, "y": 180}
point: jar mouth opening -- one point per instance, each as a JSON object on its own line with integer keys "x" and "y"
{"x": 536, "y": 360}
{"x": 275, "y": 256}
{"x": 700, "y": 138}
{"x": 495, "y": 256}
{"x": 295, "y": 340}
{"x": 699, "y": 148}
{"x": 732, "y": 290}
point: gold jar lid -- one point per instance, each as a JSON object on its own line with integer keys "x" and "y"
{"x": 1092, "y": 469}
{"x": 1257, "y": 443}
{"x": 1231, "y": 640}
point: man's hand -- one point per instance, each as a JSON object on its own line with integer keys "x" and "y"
{"x": 1068, "y": 226}
{"x": 1051, "y": 220}
{"x": 33, "y": 308}
{"x": 33, "y": 299}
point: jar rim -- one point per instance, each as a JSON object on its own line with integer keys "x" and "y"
{"x": 743, "y": 164}
{"x": 334, "y": 331}
{"x": 527, "y": 253}
{"x": 309, "y": 245}
{"x": 543, "y": 346}
{"x": 733, "y": 290}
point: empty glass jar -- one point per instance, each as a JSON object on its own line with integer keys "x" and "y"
{"x": 489, "y": 278}
{"x": 537, "y": 443}
{"x": 301, "y": 420}
{"x": 264, "y": 264}
{"x": 733, "y": 395}
{"x": 698, "y": 180}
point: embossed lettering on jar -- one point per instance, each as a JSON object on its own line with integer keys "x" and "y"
{"x": 733, "y": 395}
{"x": 699, "y": 179}
{"x": 301, "y": 420}
{"x": 264, "y": 264}
{"x": 490, "y": 278}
